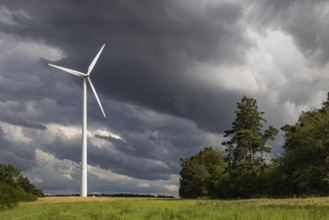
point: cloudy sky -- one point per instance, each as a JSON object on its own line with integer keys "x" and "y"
{"x": 169, "y": 79}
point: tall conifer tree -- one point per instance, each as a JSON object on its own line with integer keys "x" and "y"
{"x": 247, "y": 143}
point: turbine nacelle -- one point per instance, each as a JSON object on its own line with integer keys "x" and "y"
{"x": 85, "y": 76}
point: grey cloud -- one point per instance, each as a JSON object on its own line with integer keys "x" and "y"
{"x": 150, "y": 149}
{"x": 145, "y": 78}
{"x": 21, "y": 155}
{"x": 164, "y": 139}
{"x": 305, "y": 20}
{"x": 151, "y": 47}
{"x": 24, "y": 123}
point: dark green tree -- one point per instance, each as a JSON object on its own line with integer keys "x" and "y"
{"x": 247, "y": 143}
{"x": 12, "y": 176}
{"x": 28, "y": 187}
{"x": 201, "y": 172}
{"x": 14, "y": 187}
{"x": 245, "y": 148}
{"x": 303, "y": 168}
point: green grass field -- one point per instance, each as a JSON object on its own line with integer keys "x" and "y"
{"x": 133, "y": 208}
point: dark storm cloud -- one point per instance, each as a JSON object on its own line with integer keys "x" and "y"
{"x": 150, "y": 148}
{"x": 145, "y": 77}
{"x": 305, "y": 20}
{"x": 14, "y": 114}
{"x": 139, "y": 157}
{"x": 22, "y": 155}
{"x": 24, "y": 123}
{"x": 151, "y": 49}
{"x": 305, "y": 23}
{"x": 65, "y": 149}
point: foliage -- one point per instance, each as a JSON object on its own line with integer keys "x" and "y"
{"x": 14, "y": 187}
{"x": 303, "y": 168}
{"x": 10, "y": 195}
{"x": 10, "y": 175}
{"x": 28, "y": 187}
{"x": 13, "y": 177}
{"x": 243, "y": 182}
{"x": 246, "y": 145}
{"x": 200, "y": 173}
{"x": 245, "y": 173}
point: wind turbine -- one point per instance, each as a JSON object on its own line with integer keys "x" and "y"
{"x": 85, "y": 77}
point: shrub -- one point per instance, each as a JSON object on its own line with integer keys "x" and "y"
{"x": 9, "y": 196}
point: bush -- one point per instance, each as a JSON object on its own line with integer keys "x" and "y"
{"x": 10, "y": 196}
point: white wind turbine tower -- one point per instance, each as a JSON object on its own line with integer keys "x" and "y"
{"x": 85, "y": 78}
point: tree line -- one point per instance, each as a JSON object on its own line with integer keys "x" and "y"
{"x": 243, "y": 171}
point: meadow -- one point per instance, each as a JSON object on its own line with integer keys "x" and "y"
{"x": 65, "y": 208}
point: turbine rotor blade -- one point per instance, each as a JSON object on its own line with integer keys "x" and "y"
{"x": 95, "y": 93}
{"x": 74, "y": 72}
{"x": 91, "y": 66}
